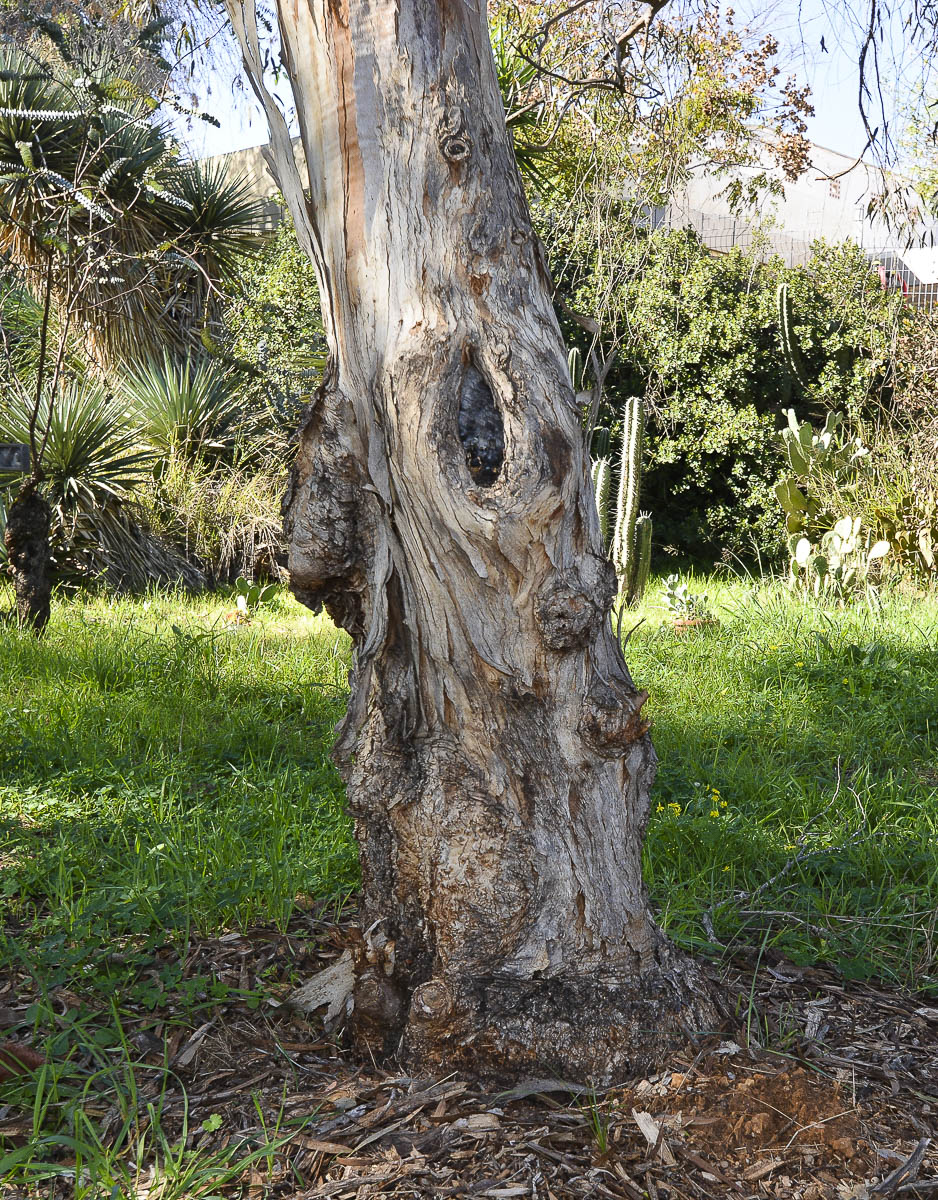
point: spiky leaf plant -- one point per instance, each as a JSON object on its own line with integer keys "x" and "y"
{"x": 187, "y": 408}
{"x": 92, "y": 453}
{"x": 94, "y": 462}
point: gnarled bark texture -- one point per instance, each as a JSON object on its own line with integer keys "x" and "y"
{"x": 497, "y": 760}
{"x": 27, "y": 545}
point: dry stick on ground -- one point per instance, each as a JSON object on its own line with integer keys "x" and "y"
{"x": 903, "y": 1177}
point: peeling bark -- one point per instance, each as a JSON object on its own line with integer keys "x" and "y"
{"x": 497, "y": 763}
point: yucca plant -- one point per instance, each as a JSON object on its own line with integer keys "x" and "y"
{"x": 527, "y": 109}
{"x": 93, "y": 463}
{"x": 92, "y": 455}
{"x": 117, "y": 242}
{"x": 187, "y": 408}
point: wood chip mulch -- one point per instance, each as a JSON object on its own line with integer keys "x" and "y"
{"x": 828, "y": 1090}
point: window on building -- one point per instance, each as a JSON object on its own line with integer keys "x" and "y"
{"x": 833, "y": 188}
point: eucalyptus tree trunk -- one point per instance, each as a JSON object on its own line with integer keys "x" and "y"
{"x": 497, "y": 761}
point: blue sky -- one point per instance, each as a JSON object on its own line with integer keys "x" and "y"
{"x": 832, "y": 75}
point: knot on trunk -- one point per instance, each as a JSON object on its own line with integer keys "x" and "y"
{"x": 611, "y": 719}
{"x": 324, "y": 515}
{"x": 378, "y": 1008}
{"x": 571, "y": 606}
{"x": 377, "y": 1011}
{"x": 455, "y": 143}
{"x": 432, "y": 1002}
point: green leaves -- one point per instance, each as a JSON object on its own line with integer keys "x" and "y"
{"x": 251, "y": 595}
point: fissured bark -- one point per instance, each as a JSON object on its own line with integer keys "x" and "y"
{"x": 27, "y": 546}
{"x": 497, "y": 761}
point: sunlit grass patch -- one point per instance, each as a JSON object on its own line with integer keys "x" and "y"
{"x": 817, "y": 728}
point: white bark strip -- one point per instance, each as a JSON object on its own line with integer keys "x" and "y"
{"x": 497, "y": 763}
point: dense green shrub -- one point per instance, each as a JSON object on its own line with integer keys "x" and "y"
{"x": 700, "y": 335}
{"x": 274, "y": 326}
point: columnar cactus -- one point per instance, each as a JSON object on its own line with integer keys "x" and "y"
{"x": 602, "y": 484}
{"x": 790, "y": 347}
{"x": 630, "y": 482}
{"x": 639, "y": 581}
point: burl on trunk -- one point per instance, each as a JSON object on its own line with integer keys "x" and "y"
{"x": 497, "y": 761}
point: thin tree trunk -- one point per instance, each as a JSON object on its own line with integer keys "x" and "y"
{"x": 497, "y": 761}
{"x": 27, "y": 544}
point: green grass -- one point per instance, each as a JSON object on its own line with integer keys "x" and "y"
{"x": 818, "y": 730}
{"x": 164, "y": 774}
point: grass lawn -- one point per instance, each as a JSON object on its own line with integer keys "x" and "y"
{"x": 164, "y": 774}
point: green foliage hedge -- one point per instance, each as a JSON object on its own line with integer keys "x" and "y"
{"x": 699, "y": 335}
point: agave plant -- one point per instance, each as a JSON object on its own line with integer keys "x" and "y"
{"x": 186, "y": 408}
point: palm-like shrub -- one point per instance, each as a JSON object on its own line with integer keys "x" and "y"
{"x": 211, "y": 493}
{"x": 124, "y": 248}
{"x": 93, "y": 195}
{"x": 95, "y": 463}
{"x": 527, "y": 110}
{"x": 186, "y": 408}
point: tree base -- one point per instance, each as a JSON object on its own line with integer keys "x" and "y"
{"x": 27, "y": 545}
{"x": 597, "y": 1028}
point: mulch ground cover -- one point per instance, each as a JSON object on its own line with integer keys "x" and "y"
{"x": 827, "y": 1089}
